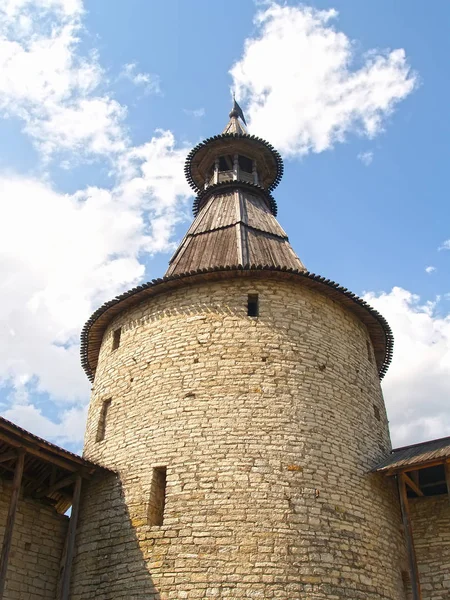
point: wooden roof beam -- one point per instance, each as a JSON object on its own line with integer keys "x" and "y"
{"x": 43, "y": 453}
{"x": 55, "y": 486}
{"x": 410, "y": 483}
{"x": 6, "y": 456}
{"x": 415, "y": 467}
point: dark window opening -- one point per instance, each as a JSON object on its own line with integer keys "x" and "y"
{"x": 226, "y": 163}
{"x": 245, "y": 164}
{"x": 431, "y": 481}
{"x": 157, "y": 500}
{"x": 252, "y": 305}
{"x": 406, "y": 579}
{"x": 376, "y": 412}
{"x": 101, "y": 428}
{"x": 369, "y": 351}
{"x": 116, "y": 338}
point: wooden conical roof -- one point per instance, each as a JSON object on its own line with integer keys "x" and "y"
{"x": 235, "y": 226}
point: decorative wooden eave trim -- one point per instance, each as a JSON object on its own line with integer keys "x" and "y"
{"x": 378, "y": 328}
{"x": 238, "y": 136}
{"x": 203, "y": 196}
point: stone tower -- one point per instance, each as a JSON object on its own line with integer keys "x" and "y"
{"x": 238, "y": 400}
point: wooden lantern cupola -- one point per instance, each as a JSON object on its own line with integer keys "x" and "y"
{"x": 234, "y": 156}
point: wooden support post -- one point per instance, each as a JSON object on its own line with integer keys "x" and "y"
{"x": 70, "y": 547}
{"x": 255, "y": 173}
{"x": 236, "y": 167}
{"x": 7, "y": 539}
{"x": 447, "y": 477}
{"x": 413, "y": 570}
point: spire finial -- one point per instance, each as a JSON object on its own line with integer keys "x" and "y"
{"x": 236, "y": 111}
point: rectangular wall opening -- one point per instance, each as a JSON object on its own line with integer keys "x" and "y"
{"x": 116, "y": 338}
{"x": 407, "y": 585}
{"x": 101, "y": 428}
{"x": 376, "y": 412}
{"x": 157, "y": 499}
{"x": 252, "y": 305}
{"x": 369, "y": 351}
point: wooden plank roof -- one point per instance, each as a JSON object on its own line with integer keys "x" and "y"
{"x": 416, "y": 455}
{"x": 235, "y": 226}
{"x": 49, "y": 470}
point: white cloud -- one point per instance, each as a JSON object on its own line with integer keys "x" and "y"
{"x": 52, "y": 89}
{"x": 445, "y": 245}
{"x": 366, "y": 158}
{"x": 430, "y": 269}
{"x": 68, "y": 429}
{"x": 417, "y": 385}
{"x": 301, "y": 93}
{"x": 196, "y": 112}
{"x": 150, "y": 82}
{"x": 62, "y": 255}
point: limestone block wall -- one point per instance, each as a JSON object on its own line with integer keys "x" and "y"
{"x": 37, "y": 544}
{"x": 431, "y": 529}
{"x": 268, "y": 428}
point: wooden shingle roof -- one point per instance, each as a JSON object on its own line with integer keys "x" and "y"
{"x": 235, "y": 226}
{"x": 417, "y": 455}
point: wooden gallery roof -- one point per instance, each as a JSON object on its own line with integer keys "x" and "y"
{"x": 235, "y": 234}
{"x": 49, "y": 471}
{"x": 416, "y": 456}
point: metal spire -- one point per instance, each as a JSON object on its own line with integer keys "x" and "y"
{"x": 236, "y": 111}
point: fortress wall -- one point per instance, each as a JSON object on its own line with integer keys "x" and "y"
{"x": 431, "y": 529}
{"x": 37, "y": 544}
{"x": 268, "y": 428}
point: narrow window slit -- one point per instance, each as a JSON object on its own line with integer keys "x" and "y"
{"x": 157, "y": 499}
{"x": 369, "y": 351}
{"x": 376, "y": 412}
{"x": 101, "y": 428}
{"x": 116, "y": 338}
{"x": 253, "y": 305}
{"x": 406, "y": 579}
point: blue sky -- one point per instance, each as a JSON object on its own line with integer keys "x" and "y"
{"x": 101, "y": 101}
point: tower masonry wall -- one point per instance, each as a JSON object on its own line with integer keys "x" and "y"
{"x": 430, "y": 519}
{"x": 268, "y": 428}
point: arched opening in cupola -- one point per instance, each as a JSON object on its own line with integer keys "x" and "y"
{"x": 236, "y": 167}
